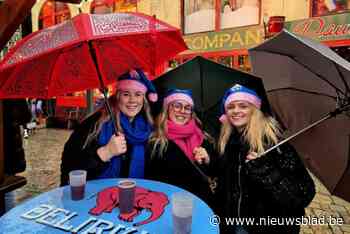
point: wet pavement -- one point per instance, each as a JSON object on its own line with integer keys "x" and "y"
{"x": 43, "y": 155}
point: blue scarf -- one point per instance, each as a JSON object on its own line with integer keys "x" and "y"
{"x": 136, "y": 134}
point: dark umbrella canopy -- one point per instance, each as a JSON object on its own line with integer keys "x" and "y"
{"x": 208, "y": 81}
{"x": 313, "y": 66}
{"x": 305, "y": 81}
{"x": 325, "y": 148}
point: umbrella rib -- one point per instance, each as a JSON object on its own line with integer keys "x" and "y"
{"x": 343, "y": 79}
{"x": 303, "y": 91}
{"x": 306, "y": 67}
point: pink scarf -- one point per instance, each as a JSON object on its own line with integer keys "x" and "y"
{"x": 187, "y": 137}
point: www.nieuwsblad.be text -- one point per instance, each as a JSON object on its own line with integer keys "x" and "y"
{"x": 266, "y": 221}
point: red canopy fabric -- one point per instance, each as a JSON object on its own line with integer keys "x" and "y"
{"x": 57, "y": 60}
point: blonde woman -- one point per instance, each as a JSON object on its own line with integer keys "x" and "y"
{"x": 274, "y": 186}
{"x": 94, "y": 147}
{"x": 179, "y": 149}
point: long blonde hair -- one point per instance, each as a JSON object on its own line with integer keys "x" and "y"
{"x": 158, "y": 138}
{"x": 105, "y": 117}
{"x": 260, "y": 131}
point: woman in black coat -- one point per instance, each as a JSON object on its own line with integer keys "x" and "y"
{"x": 272, "y": 189}
{"x": 94, "y": 147}
{"x": 180, "y": 151}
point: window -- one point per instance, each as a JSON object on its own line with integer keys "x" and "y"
{"x": 109, "y": 6}
{"x": 125, "y": 6}
{"x": 210, "y": 15}
{"x": 244, "y": 63}
{"x": 199, "y": 15}
{"x": 237, "y": 13}
{"x": 326, "y": 7}
{"x": 226, "y": 61}
{"x": 53, "y": 13}
{"x": 101, "y": 7}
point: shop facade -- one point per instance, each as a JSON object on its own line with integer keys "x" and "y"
{"x": 225, "y": 33}
{"x": 221, "y": 30}
{"x": 228, "y": 47}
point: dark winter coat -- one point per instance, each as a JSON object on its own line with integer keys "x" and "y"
{"x": 16, "y": 113}
{"x": 175, "y": 168}
{"x": 74, "y": 157}
{"x": 77, "y": 157}
{"x": 274, "y": 185}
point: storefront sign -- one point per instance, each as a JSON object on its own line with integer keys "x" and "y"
{"x": 225, "y": 40}
{"x": 326, "y": 28}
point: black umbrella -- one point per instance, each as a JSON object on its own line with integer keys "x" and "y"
{"x": 208, "y": 81}
{"x": 308, "y": 83}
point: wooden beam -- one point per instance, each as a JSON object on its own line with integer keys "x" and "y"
{"x": 12, "y": 14}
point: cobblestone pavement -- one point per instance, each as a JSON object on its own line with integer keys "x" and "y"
{"x": 43, "y": 154}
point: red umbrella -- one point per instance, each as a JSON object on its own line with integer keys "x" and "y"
{"x": 71, "y": 56}
{"x": 88, "y": 51}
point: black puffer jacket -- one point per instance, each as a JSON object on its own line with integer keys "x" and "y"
{"x": 275, "y": 187}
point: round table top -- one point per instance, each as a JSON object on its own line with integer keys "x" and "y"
{"x": 55, "y": 212}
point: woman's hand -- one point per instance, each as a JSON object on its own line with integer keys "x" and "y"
{"x": 201, "y": 155}
{"x": 116, "y": 146}
{"x": 251, "y": 156}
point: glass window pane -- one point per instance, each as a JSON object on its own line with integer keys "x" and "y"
{"x": 237, "y": 13}
{"x": 101, "y": 7}
{"x": 226, "y": 60}
{"x": 323, "y": 7}
{"x": 125, "y": 6}
{"x": 199, "y": 15}
{"x": 244, "y": 63}
{"x": 53, "y": 13}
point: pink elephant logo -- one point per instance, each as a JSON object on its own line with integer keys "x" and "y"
{"x": 155, "y": 202}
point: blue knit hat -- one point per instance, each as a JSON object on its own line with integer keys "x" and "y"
{"x": 137, "y": 80}
{"x": 178, "y": 94}
{"x": 239, "y": 93}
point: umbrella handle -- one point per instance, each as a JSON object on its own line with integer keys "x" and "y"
{"x": 110, "y": 112}
{"x": 103, "y": 87}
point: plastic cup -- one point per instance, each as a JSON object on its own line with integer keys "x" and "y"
{"x": 182, "y": 205}
{"x": 77, "y": 181}
{"x": 126, "y": 195}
